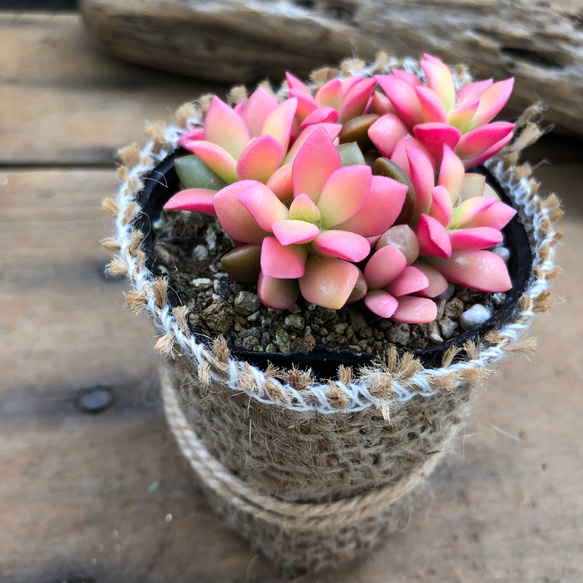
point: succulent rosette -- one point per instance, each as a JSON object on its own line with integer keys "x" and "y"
{"x": 437, "y": 114}
{"x": 349, "y": 193}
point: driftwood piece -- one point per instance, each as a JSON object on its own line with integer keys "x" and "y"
{"x": 538, "y": 42}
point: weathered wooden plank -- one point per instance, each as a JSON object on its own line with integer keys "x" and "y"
{"x": 65, "y": 102}
{"x": 80, "y": 495}
{"x": 537, "y": 42}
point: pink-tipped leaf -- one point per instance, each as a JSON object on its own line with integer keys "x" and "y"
{"x": 469, "y": 210}
{"x": 316, "y": 160}
{"x": 415, "y": 310}
{"x": 403, "y": 98}
{"x": 320, "y": 115}
{"x": 356, "y": 99}
{"x": 341, "y": 244}
{"x": 384, "y": 265}
{"x": 281, "y": 261}
{"x": 480, "y": 270}
{"x": 330, "y": 94}
{"x": 436, "y": 136}
{"x": 256, "y": 109}
{"x": 383, "y": 206}
{"x": 195, "y": 200}
{"x": 260, "y": 159}
{"x": 381, "y": 303}
{"x": 439, "y": 80}
{"x": 421, "y": 172}
{"x": 482, "y": 138}
{"x": 437, "y": 283}
{"x": 411, "y": 280}
{"x": 344, "y": 194}
{"x": 265, "y": 207}
{"x": 294, "y": 232}
{"x": 235, "y": 219}
{"x": 280, "y": 183}
{"x": 432, "y": 236}
{"x": 226, "y": 128}
{"x": 496, "y": 216}
{"x": 217, "y": 159}
{"x": 431, "y": 106}
{"x": 279, "y": 122}
{"x": 492, "y": 100}
{"x": 451, "y": 174}
{"x": 385, "y": 132}
{"x": 441, "y": 207}
{"x": 474, "y": 238}
{"x": 328, "y": 282}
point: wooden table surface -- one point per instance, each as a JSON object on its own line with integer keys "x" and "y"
{"x": 107, "y": 497}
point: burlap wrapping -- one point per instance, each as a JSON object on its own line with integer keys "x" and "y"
{"x": 313, "y": 472}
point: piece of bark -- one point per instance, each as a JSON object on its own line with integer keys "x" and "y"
{"x": 538, "y": 42}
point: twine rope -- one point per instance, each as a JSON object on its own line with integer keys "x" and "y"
{"x": 288, "y": 515}
{"x": 360, "y": 393}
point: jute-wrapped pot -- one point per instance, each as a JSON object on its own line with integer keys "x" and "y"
{"x": 314, "y": 471}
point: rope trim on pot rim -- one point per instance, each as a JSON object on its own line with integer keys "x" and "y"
{"x": 393, "y": 378}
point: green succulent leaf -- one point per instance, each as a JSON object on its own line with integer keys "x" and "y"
{"x": 350, "y": 154}
{"x": 194, "y": 173}
{"x": 386, "y": 167}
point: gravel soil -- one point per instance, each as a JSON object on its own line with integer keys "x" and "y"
{"x": 188, "y": 249}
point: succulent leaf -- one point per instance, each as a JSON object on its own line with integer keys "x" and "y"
{"x": 328, "y": 282}
{"x": 243, "y": 263}
{"x": 279, "y": 294}
{"x": 226, "y": 128}
{"x": 196, "y": 200}
{"x": 481, "y": 270}
{"x": 341, "y": 244}
{"x": 316, "y": 161}
{"x": 344, "y": 194}
{"x": 260, "y": 159}
{"x": 282, "y": 261}
{"x": 381, "y": 303}
{"x": 384, "y": 265}
{"x": 194, "y": 173}
{"x": 415, "y": 310}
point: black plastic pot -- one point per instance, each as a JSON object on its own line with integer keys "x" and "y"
{"x": 163, "y": 182}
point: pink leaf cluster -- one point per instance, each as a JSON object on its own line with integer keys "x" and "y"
{"x": 307, "y": 221}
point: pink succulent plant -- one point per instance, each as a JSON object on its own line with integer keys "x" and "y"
{"x": 309, "y": 220}
{"x": 336, "y": 101}
{"x": 436, "y": 114}
{"x": 312, "y": 246}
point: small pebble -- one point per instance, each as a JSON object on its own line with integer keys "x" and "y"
{"x": 454, "y": 308}
{"x": 434, "y": 333}
{"x": 96, "y": 401}
{"x": 295, "y": 309}
{"x": 202, "y": 283}
{"x": 473, "y": 317}
{"x": 282, "y": 340}
{"x": 499, "y": 298}
{"x": 211, "y": 239}
{"x": 201, "y": 253}
{"x": 447, "y": 327}
{"x": 357, "y": 321}
{"x": 441, "y": 308}
{"x": 399, "y": 334}
{"x": 254, "y": 316}
{"x": 246, "y": 303}
{"x": 502, "y": 252}
{"x": 295, "y": 321}
{"x": 250, "y": 342}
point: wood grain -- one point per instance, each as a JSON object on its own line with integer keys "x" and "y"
{"x": 65, "y": 102}
{"x": 106, "y": 497}
{"x": 539, "y": 43}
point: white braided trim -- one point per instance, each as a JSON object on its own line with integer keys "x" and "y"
{"x": 289, "y": 515}
{"x": 358, "y": 396}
